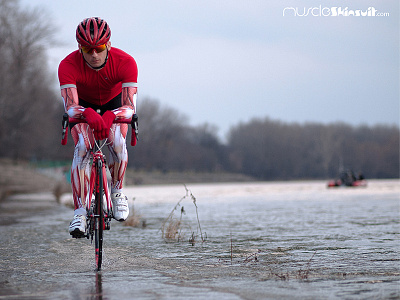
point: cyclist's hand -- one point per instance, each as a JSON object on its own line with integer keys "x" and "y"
{"x": 108, "y": 118}
{"x": 95, "y": 122}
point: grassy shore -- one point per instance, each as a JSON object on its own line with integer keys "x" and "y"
{"x": 18, "y": 177}
{"x": 133, "y": 177}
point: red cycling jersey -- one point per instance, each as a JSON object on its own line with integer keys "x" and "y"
{"x": 79, "y": 81}
{"x": 98, "y": 87}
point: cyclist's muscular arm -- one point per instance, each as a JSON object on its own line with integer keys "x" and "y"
{"x": 128, "y": 99}
{"x": 69, "y": 94}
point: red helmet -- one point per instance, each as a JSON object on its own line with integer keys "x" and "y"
{"x": 93, "y": 32}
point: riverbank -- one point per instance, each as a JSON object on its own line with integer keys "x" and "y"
{"x": 21, "y": 177}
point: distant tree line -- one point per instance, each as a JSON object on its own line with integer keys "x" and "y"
{"x": 271, "y": 149}
{"x": 263, "y": 148}
{"x": 30, "y": 125}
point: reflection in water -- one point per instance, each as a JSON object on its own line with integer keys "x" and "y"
{"x": 97, "y": 293}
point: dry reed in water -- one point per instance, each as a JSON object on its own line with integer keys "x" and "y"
{"x": 134, "y": 219}
{"x": 172, "y": 228}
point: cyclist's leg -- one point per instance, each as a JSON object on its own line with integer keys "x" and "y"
{"x": 119, "y": 155}
{"x": 81, "y": 168}
{"x": 118, "y": 162}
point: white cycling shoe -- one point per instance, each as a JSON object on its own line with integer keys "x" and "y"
{"x": 120, "y": 206}
{"x": 77, "y": 227}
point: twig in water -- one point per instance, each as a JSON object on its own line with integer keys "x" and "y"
{"x": 250, "y": 257}
{"x": 192, "y": 239}
{"x": 304, "y": 274}
{"x": 197, "y": 213}
{"x": 169, "y": 231}
{"x": 231, "y": 249}
{"x": 282, "y": 276}
{"x": 172, "y": 227}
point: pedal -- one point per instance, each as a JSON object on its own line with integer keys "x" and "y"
{"x": 107, "y": 225}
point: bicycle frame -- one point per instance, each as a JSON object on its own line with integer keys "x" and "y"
{"x": 98, "y": 186}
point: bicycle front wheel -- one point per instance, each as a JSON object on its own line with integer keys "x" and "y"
{"x": 99, "y": 217}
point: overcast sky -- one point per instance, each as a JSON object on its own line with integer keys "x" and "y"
{"x": 225, "y": 62}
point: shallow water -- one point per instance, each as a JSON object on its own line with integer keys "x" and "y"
{"x": 262, "y": 241}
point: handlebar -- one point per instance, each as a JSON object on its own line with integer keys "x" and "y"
{"x": 133, "y": 121}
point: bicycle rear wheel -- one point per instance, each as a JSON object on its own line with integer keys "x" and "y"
{"x": 99, "y": 217}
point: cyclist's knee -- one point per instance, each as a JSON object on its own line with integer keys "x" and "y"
{"x": 82, "y": 146}
{"x": 80, "y": 131}
{"x": 118, "y": 141}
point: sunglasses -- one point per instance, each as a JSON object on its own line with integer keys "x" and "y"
{"x": 90, "y": 49}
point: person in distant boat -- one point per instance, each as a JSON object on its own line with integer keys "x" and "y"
{"x": 347, "y": 178}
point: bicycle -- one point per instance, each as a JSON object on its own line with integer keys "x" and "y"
{"x": 99, "y": 211}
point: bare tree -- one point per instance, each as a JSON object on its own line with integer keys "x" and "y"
{"x": 26, "y": 97}
{"x": 168, "y": 143}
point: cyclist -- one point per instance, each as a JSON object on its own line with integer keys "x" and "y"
{"x": 98, "y": 83}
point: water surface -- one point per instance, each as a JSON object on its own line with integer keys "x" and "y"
{"x": 262, "y": 241}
